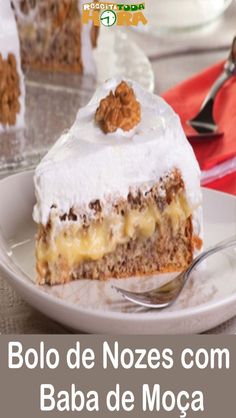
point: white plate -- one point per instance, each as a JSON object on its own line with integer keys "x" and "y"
{"x": 53, "y": 99}
{"x": 92, "y": 306}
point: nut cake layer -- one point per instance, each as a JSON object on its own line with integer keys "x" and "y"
{"x": 145, "y": 234}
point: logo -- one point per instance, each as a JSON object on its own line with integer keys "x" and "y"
{"x": 110, "y": 14}
{"x": 108, "y": 18}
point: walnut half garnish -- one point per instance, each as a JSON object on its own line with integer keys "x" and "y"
{"x": 119, "y": 110}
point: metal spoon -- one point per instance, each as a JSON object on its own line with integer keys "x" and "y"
{"x": 166, "y": 295}
{"x": 204, "y": 122}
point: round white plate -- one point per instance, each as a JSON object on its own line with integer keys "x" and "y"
{"x": 92, "y": 306}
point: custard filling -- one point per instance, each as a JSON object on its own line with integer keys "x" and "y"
{"x": 76, "y": 244}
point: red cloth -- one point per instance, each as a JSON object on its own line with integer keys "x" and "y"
{"x": 225, "y": 184}
{"x": 186, "y": 99}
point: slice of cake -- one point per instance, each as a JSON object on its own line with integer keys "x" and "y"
{"x": 52, "y": 36}
{"x": 119, "y": 194}
{"x": 12, "y": 90}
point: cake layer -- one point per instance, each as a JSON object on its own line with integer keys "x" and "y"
{"x": 52, "y": 36}
{"x": 161, "y": 253}
{"x": 115, "y": 246}
{"x": 12, "y": 91}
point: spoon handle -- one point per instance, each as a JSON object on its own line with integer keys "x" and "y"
{"x": 215, "y": 88}
{"x": 229, "y": 71}
{"x": 230, "y": 65}
{"x": 230, "y": 242}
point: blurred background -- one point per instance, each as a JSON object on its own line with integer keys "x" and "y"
{"x": 185, "y": 36}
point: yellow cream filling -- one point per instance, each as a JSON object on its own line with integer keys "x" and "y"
{"x": 75, "y": 244}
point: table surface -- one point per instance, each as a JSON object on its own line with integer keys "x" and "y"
{"x": 174, "y": 57}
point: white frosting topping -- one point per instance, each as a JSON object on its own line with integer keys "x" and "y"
{"x": 9, "y": 43}
{"x": 85, "y": 164}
